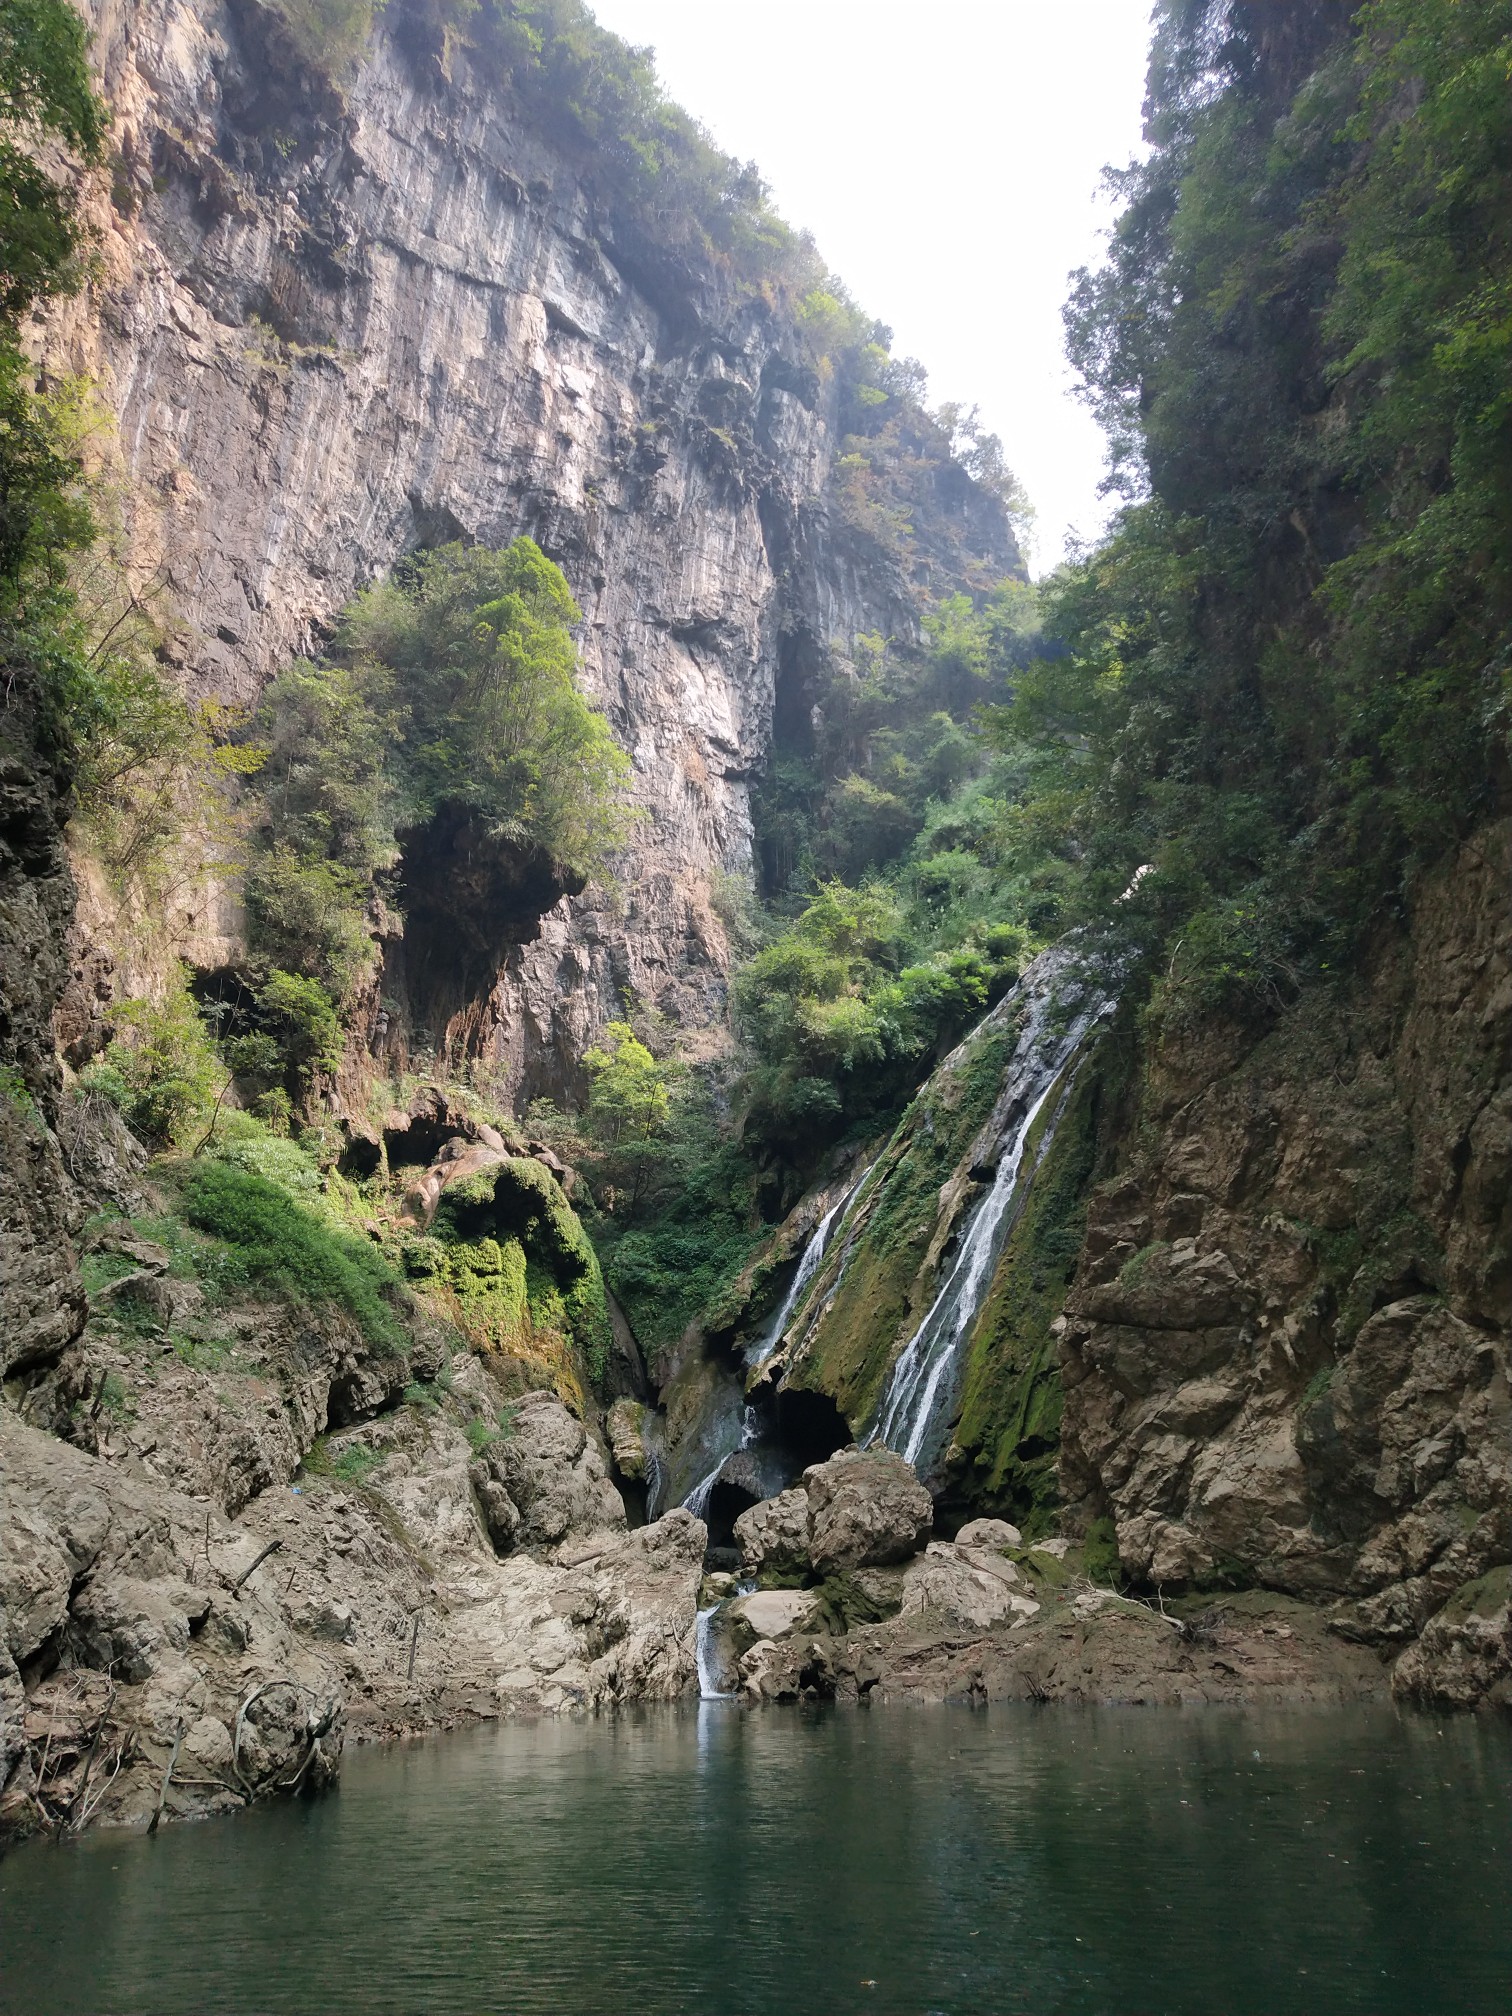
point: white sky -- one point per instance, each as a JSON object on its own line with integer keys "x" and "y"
{"x": 946, "y": 156}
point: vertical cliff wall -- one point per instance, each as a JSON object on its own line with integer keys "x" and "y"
{"x": 333, "y": 326}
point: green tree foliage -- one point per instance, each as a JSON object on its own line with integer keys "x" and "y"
{"x": 1283, "y": 682}
{"x": 45, "y": 97}
{"x": 331, "y": 34}
{"x": 450, "y": 687}
{"x": 45, "y": 94}
{"x": 629, "y": 1108}
{"x": 160, "y": 1067}
{"x": 838, "y": 1018}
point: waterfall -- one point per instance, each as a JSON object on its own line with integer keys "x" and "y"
{"x": 808, "y": 1267}
{"x": 697, "y": 1500}
{"x": 709, "y": 1688}
{"x": 922, "y": 1386}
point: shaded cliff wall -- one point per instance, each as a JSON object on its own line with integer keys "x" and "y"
{"x": 1285, "y": 1355}
{"x": 42, "y": 1305}
{"x": 332, "y": 328}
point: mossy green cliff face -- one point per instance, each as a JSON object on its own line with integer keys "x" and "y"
{"x": 1007, "y": 1440}
{"x": 508, "y": 1258}
{"x": 885, "y": 1267}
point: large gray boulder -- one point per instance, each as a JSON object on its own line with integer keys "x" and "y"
{"x": 773, "y": 1537}
{"x": 867, "y": 1510}
{"x": 553, "y": 1475}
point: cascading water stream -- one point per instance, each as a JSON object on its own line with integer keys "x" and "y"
{"x": 709, "y": 1688}
{"x": 697, "y": 1500}
{"x": 923, "y": 1381}
{"x": 808, "y": 1267}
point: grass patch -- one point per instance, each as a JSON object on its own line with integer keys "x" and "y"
{"x": 282, "y": 1250}
{"x": 351, "y": 1466}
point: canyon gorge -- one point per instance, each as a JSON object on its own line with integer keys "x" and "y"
{"x": 1004, "y": 1322}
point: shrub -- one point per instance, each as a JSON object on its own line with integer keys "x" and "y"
{"x": 284, "y": 1250}
{"x": 160, "y": 1068}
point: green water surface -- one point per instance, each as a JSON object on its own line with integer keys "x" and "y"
{"x": 1034, "y": 1859}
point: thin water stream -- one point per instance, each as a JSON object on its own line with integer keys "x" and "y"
{"x": 1062, "y": 1861}
{"x": 1060, "y": 1010}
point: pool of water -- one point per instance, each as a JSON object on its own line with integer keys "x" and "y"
{"x": 1017, "y": 1858}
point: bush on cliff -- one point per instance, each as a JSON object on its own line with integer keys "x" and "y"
{"x": 449, "y": 688}
{"x": 281, "y": 1249}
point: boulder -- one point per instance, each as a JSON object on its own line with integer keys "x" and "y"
{"x": 868, "y": 1510}
{"x": 625, "y": 1425}
{"x": 770, "y": 1613}
{"x": 773, "y": 1537}
{"x": 996, "y": 1535}
{"x": 554, "y": 1475}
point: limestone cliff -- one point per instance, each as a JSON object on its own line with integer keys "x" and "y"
{"x": 1285, "y": 1352}
{"x": 333, "y": 325}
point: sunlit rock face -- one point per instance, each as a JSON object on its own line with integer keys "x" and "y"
{"x": 332, "y": 328}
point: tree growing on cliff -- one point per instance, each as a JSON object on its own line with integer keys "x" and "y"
{"x": 449, "y": 688}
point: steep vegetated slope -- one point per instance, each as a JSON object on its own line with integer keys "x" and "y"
{"x": 1263, "y": 770}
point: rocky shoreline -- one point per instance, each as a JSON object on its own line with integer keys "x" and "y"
{"x": 168, "y": 1662}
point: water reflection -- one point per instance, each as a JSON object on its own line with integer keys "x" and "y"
{"x": 719, "y": 1860}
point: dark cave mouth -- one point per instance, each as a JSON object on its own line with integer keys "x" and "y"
{"x": 468, "y": 894}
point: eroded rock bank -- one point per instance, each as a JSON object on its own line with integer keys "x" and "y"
{"x": 854, "y": 1600}
{"x": 162, "y": 1660}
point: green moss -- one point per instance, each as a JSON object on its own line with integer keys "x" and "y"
{"x": 1134, "y": 1268}
{"x": 843, "y": 1605}
{"x": 1316, "y": 1387}
{"x": 1011, "y": 1395}
{"x": 1486, "y": 1596}
{"x": 278, "y": 1248}
{"x": 851, "y": 1350}
{"x": 519, "y": 1264}
{"x": 1100, "y": 1556}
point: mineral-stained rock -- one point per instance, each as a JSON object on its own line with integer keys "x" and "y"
{"x": 868, "y": 1510}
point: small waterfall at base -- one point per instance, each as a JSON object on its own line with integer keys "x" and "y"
{"x": 808, "y": 1267}
{"x": 1061, "y": 1010}
{"x": 709, "y": 1688}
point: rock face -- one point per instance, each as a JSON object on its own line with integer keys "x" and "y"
{"x": 864, "y": 1508}
{"x": 966, "y": 1623}
{"x": 136, "y": 1623}
{"x": 42, "y": 1305}
{"x": 553, "y": 1474}
{"x": 333, "y": 327}
{"x": 1286, "y": 1353}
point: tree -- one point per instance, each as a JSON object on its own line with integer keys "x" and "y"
{"x": 630, "y": 1104}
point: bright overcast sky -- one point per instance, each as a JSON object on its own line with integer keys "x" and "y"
{"x": 946, "y": 156}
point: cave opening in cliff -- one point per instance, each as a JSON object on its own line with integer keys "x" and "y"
{"x": 727, "y": 1500}
{"x": 810, "y": 1426}
{"x": 784, "y": 802}
{"x": 468, "y": 894}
